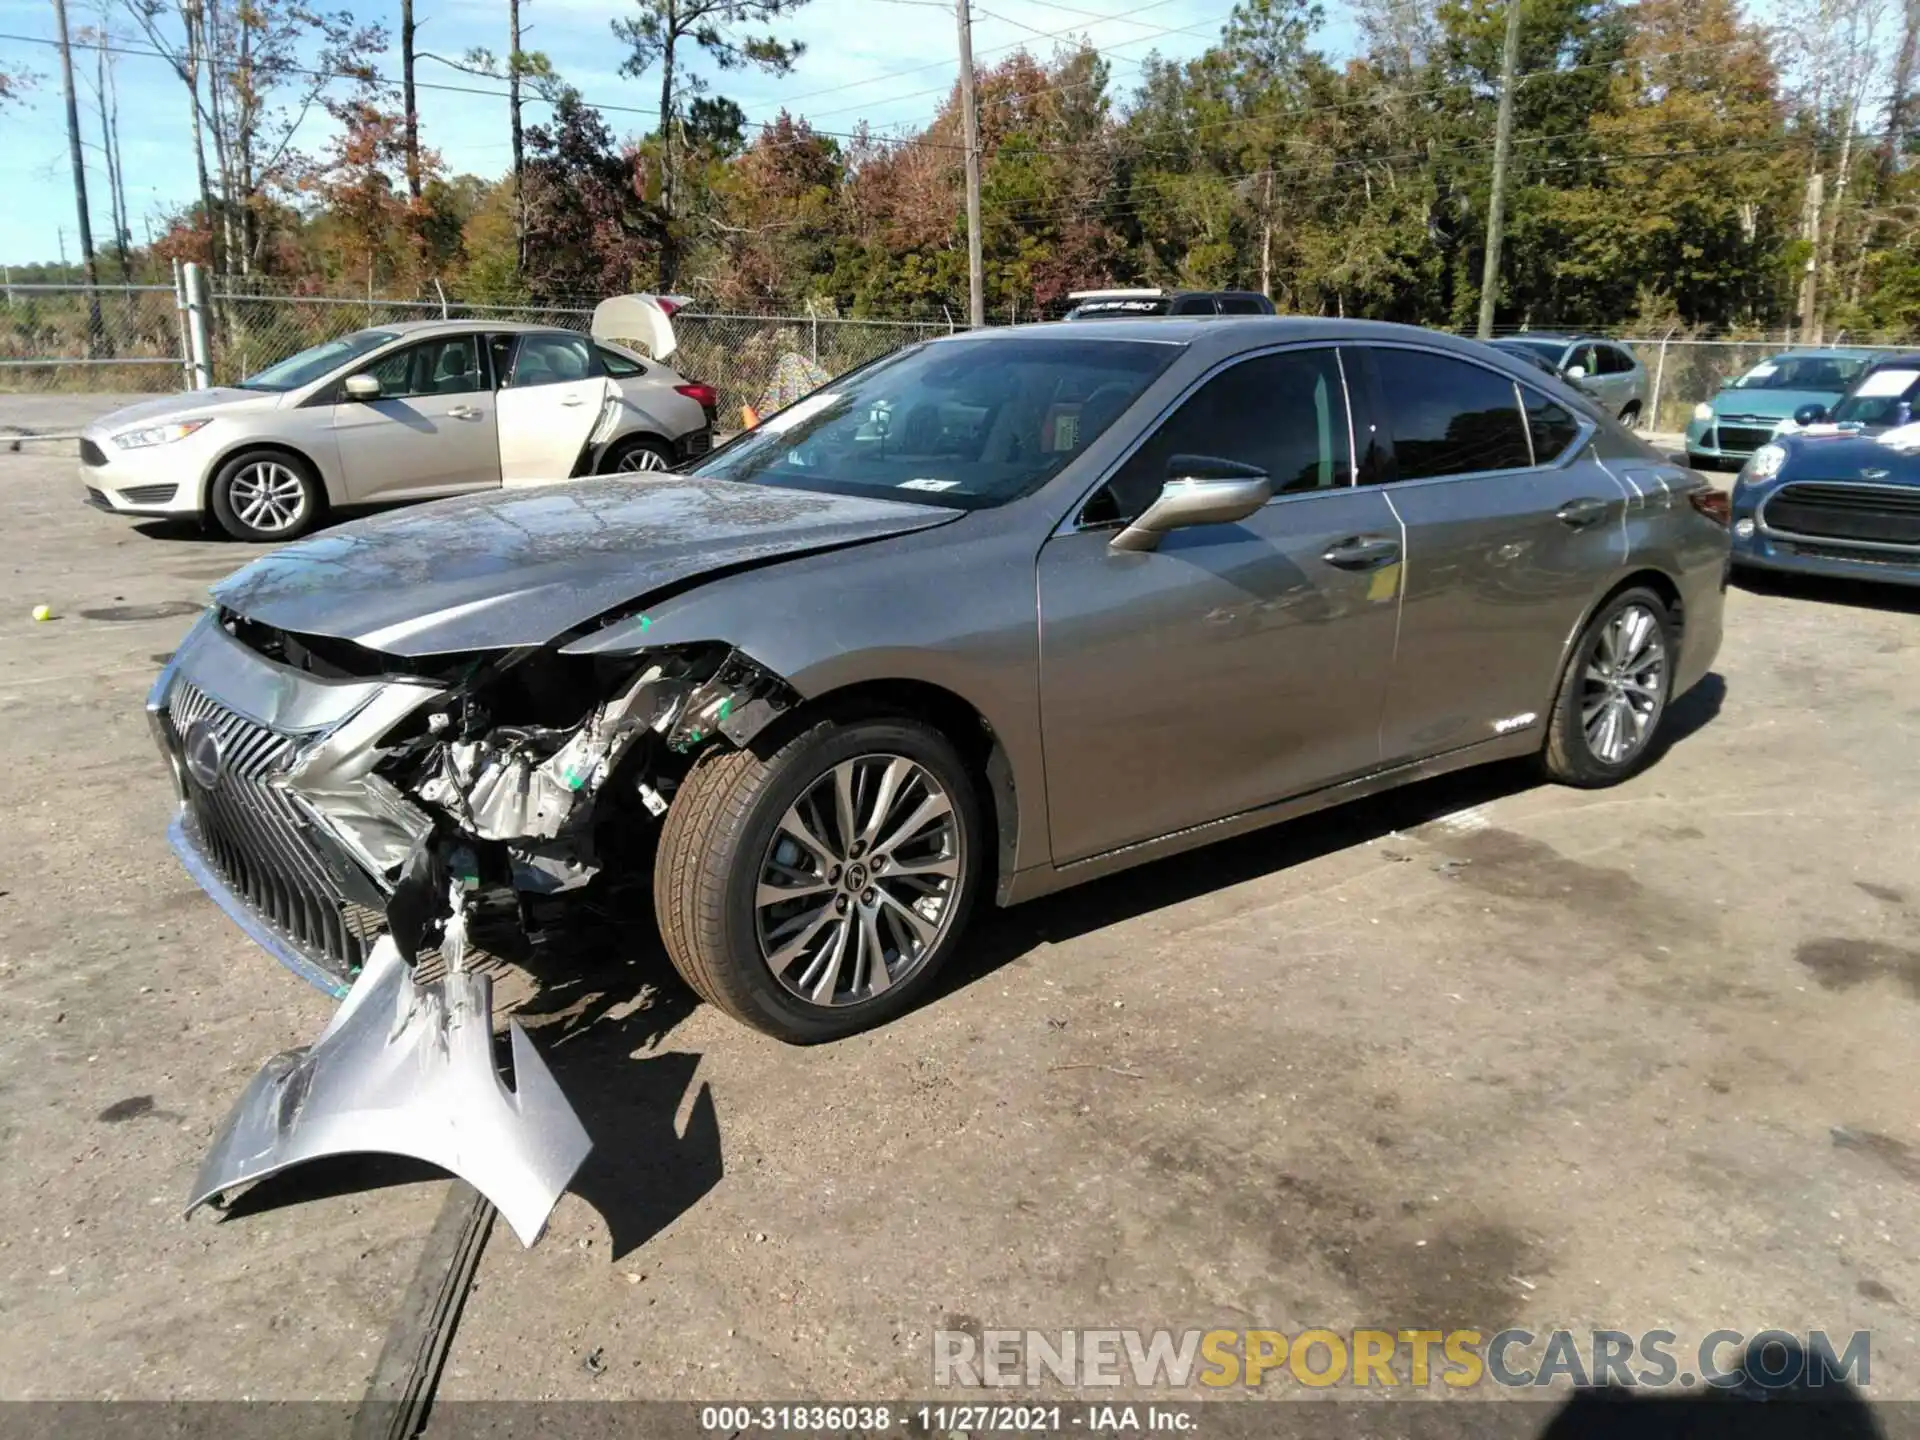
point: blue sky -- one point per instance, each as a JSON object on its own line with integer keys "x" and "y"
{"x": 884, "y": 61}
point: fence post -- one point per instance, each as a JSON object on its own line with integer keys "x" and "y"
{"x": 1659, "y": 373}
{"x": 814, "y": 317}
{"x": 199, "y": 357}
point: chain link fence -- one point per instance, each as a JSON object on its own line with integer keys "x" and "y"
{"x": 139, "y": 342}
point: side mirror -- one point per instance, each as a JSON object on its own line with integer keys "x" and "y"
{"x": 362, "y": 387}
{"x": 1199, "y": 490}
{"x": 1810, "y": 415}
{"x": 1576, "y": 372}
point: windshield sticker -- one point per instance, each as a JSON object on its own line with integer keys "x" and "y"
{"x": 928, "y": 483}
{"x": 798, "y": 411}
{"x": 1882, "y": 383}
{"x": 1761, "y": 372}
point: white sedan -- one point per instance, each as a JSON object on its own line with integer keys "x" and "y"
{"x": 403, "y": 412}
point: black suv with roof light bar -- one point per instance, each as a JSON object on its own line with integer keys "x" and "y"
{"x": 1143, "y": 304}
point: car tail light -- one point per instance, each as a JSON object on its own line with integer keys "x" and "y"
{"x": 705, "y": 396}
{"x": 670, "y": 303}
{"x": 1716, "y": 505}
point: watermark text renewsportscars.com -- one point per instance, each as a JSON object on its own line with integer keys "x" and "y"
{"x": 1380, "y": 1359}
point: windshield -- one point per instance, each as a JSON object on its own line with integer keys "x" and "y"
{"x": 322, "y": 359}
{"x": 1883, "y": 397}
{"x": 1802, "y": 372}
{"x": 963, "y": 423}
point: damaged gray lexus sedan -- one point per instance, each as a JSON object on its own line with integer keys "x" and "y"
{"x": 994, "y": 615}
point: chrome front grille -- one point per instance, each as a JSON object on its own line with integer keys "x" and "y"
{"x": 250, "y": 830}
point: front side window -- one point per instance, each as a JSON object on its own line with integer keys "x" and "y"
{"x": 1285, "y": 414}
{"x": 447, "y": 366}
{"x": 966, "y": 423}
{"x": 550, "y": 359}
{"x": 1449, "y": 417}
{"x": 318, "y": 361}
{"x": 1614, "y": 361}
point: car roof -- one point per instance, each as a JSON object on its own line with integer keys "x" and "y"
{"x": 1906, "y": 360}
{"x": 1829, "y": 352}
{"x": 1226, "y": 333}
{"x": 461, "y": 327}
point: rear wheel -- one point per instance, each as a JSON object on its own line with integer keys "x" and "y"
{"x": 1614, "y": 693}
{"x": 1630, "y": 416}
{"x": 636, "y": 453}
{"x": 818, "y": 891}
{"x": 264, "y": 495}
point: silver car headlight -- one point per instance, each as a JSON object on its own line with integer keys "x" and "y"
{"x": 1703, "y": 411}
{"x": 159, "y": 434}
{"x": 1765, "y": 463}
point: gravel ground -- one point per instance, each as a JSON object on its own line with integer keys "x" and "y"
{"x": 1480, "y": 1053}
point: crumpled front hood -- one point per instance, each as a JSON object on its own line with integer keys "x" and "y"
{"x": 184, "y": 405}
{"x": 519, "y": 567}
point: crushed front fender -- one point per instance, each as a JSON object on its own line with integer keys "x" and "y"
{"x": 405, "y": 1068}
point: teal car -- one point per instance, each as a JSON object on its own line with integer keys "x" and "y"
{"x": 1742, "y": 417}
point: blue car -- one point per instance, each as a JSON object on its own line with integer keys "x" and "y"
{"x": 1841, "y": 495}
{"x": 1740, "y": 419}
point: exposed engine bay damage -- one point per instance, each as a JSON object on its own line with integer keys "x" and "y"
{"x": 478, "y": 785}
{"x": 532, "y": 782}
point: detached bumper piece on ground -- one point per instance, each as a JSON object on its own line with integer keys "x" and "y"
{"x": 405, "y": 1068}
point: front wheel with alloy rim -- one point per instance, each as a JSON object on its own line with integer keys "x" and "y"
{"x": 1614, "y": 693}
{"x": 817, "y": 891}
{"x": 264, "y": 495}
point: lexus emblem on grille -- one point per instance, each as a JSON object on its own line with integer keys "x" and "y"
{"x": 202, "y": 754}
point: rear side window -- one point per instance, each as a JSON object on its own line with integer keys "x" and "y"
{"x": 1552, "y": 427}
{"x": 1241, "y": 305}
{"x": 618, "y": 365}
{"x": 1449, "y": 417}
{"x": 1193, "y": 305}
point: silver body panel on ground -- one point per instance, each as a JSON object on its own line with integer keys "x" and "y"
{"x": 405, "y": 1068}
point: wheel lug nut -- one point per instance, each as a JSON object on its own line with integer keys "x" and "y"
{"x": 840, "y": 904}
{"x": 866, "y": 897}
{"x": 879, "y": 862}
{"x": 833, "y": 876}
{"x": 859, "y": 848}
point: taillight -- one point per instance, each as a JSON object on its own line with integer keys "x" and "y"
{"x": 705, "y": 396}
{"x": 1716, "y": 505}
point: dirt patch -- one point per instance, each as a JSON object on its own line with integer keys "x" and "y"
{"x": 1839, "y": 963}
{"x": 1887, "y": 893}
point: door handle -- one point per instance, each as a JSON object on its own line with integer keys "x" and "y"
{"x": 465, "y": 412}
{"x": 1578, "y": 514}
{"x": 572, "y": 400}
{"x": 1362, "y": 552}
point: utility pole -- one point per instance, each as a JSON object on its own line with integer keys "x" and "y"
{"x": 1502, "y": 143}
{"x": 407, "y": 104}
{"x": 976, "y": 277}
{"x": 95, "y": 331}
{"x": 1810, "y": 278}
